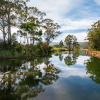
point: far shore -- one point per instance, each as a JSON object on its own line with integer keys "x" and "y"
{"x": 93, "y": 53}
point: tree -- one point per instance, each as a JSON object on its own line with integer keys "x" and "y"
{"x": 9, "y": 11}
{"x": 30, "y": 29}
{"x": 68, "y": 41}
{"x": 71, "y": 42}
{"x": 29, "y": 20}
{"x": 94, "y": 36}
{"x": 31, "y": 25}
{"x": 51, "y": 29}
{"x": 75, "y": 44}
{"x": 3, "y": 23}
{"x": 61, "y": 43}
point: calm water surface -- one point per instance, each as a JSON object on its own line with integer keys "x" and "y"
{"x": 59, "y": 77}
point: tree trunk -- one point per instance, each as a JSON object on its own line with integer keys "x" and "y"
{"x": 9, "y": 29}
{"x": 4, "y": 34}
{"x": 27, "y": 40}
{"x": 33, "y": 40}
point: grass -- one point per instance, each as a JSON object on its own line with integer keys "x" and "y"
{"x": 59, "y": 49}
{"x": 93, "y": 53}
{"x": 9, "y": 53}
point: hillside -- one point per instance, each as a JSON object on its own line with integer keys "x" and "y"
{"x": 83, "y": 44}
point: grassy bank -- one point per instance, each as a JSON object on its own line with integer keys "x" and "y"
{"x": 93, "y": 53}
{"x": 57, "y": 49}
{"x": 25, "y": 51}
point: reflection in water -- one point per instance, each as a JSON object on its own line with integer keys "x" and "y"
{"x": 21, "y": 81}
{"x": 93, "y": 69}
{"x": 71, "y": 58}
{"x": 60, "y": 57}
{"x": 10, "y": 65}
{"x": 51, "y": 75}
{"x": 29, "y": 80}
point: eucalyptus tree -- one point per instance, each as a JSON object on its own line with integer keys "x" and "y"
{"x": 29, "y": 29}
{"x": 61, "y": 43}
{"x": 68, "y": 42}
{"x": 71, "y": 42}
{"x": 51, "y": 29}
{"x": 76, "y": 45}
{"x": 9, "y": 11}
{"x": 3, "y": 23}
{"x": 94, "y": 36}
{"x": 31, "y": 25}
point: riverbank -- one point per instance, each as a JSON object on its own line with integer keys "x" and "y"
{"x": 58, "y": 49}
{"x": 93, "y": 53}
{"x": 20, "y": 51}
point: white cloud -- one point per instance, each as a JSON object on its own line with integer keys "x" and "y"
{"x": 58, "y": 9}
{"x": 80, "y": 37}
{"x": 97, "y": 2}
{"x": 56, "y": 6}
{"x": 77, "y": 24}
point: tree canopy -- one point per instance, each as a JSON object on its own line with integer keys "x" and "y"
{"x": 30, "y": 21}
{"x": 94, "y": 36}
{"x": 71, "y": 42}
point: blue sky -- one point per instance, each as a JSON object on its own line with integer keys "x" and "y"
{"x": 74, "y": 16}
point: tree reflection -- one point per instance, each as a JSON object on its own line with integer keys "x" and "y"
{"x": 10, "y": 65}
{"x": 71, "y": 58}
{"x": 60, "y": 57}
{"x": 50, "y": 74}
{"x": 27, "y": 81}
{"x": 93, "y": 69}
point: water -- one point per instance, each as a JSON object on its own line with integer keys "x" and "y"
{"x": 59, "y": 77}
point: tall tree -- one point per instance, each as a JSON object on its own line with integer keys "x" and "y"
{"x": 3, "y": 23}
{"x": 61, "y": 43}
{"x": 71, "y": 42}
{"x": 94, "y": 36}
{"x": 51, "y": 29}
{"x": 8, "y": 16}
{"x": 31, "y": 25}
{"x": 68, "y": 41}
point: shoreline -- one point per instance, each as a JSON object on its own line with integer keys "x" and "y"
{"x": 92, "y": 53}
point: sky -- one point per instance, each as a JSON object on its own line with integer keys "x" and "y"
{"x": 74, "y": 16}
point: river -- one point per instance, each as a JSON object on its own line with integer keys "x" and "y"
{"x": 62, "y": 76}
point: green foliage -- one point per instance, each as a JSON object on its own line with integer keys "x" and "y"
{"x": 61, "y": 44}
{"x": 31, "y": 26}
{"x": 94, "y": 36}
{"x": 51, "y": 69}
{"x": 93, "y": 69}
{"x": 9, "y": 15}
{"x": 71, "y": 58}
{"x": 25, "y": 81}
{"x": 18, "y": 50}
{"x": 51, "y": 29}
{"x": 71, "y": 43}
